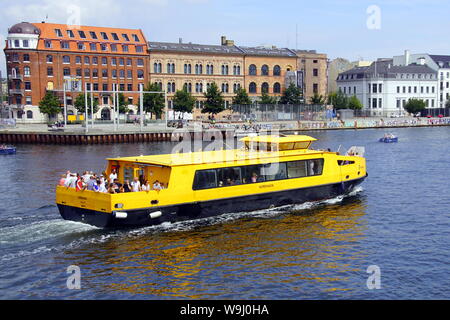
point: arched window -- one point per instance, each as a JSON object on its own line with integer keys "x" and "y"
{"x": 276, "y": 88}
{"x": 66, "y": 59}
{"x": 29, "y": 114}
{"x": 277, "y": 71}
{"x": 265, "y": 70}
{"x": 252, "y": 88}
{"x": 173, "y": 86}
{"x": 265, "y": 87}
{"x": 169, "y": 87}
{"x": 155, "y": 68}
{"x": 252, "y": 70}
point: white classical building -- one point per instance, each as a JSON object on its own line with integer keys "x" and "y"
{"x": 384, "y": 87}
{"x": 439, "y": 63}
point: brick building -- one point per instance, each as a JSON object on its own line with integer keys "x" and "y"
{"x": 42, "y": 56}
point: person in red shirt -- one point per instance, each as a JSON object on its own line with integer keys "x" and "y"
{"x": 80, "y": 184}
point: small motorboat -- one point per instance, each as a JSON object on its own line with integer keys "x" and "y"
{"x": 389, "y": 138}
{"x": 7, "y": 150}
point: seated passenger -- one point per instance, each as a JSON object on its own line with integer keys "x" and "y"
{"x": 126, "y": 186}
{"x": 254, "y": 178}
{"x": 146, "y": 186}
{"x": 101, "y": 187}
{"x": 62, "y": 180}
{"x": 136, "y": 185}
{"x": 157, "y": 186}
{"x": 111, "y": 188}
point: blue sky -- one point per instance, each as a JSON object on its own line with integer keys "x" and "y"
{"x": 337, "y": 28}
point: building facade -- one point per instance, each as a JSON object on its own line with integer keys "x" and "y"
{"x": 42, "y": 57}
{"x": 46, "y": 57}
{"x": 384, "y": 89}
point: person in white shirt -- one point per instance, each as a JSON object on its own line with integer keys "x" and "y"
{"x": 113, "y": 176}
{"x": 146, "y": 186}
{"x": 71, "y": 181}
{"x": 157, "y": 186}
{"x": 135, "y": 185}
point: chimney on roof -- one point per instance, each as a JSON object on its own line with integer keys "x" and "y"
{"x": 407, "y": 57}
{"x": 180, "y": 40}
{"x": 422, "y": 61}
{"x": 225, "y": 42}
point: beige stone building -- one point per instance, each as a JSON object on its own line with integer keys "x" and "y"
{"x": 257, "y": 69}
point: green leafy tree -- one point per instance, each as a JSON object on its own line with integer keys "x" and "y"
{"x": 154, "y": 103}
{"x": 79, "y": 103}
{"x": 354, "y": 103}
{"x": 183, "y": 101}
{"x": 214, "y": 101}
{"x": 123, "y": 105}
{"x": 415, "y": 106}
{"x": 241, "y": 97}
{"x": 317, "y": 99}
{"x": 292, "y": 95}
{"x": 266, "y": 99}
{"x": 338, "y": 100}
{"x": 50, "y": 105}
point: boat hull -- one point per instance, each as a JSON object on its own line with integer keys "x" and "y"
{"x": 200, "y": 210}
{"x": 389, "y": 140}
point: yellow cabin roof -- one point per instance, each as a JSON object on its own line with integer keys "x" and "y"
{"x": 279, "y": 140}
{"x": 207, "y": 157}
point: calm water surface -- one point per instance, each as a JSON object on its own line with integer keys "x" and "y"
{"x": 399, "y": 220}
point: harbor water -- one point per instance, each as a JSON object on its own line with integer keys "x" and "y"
{"x": 398, "y": 221}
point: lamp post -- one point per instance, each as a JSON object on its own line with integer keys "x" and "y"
{"x": 86, "y": 108}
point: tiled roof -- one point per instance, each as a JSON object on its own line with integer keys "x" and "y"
{"x": 262, "y": 51}
{"x": 445, "y": 60}
{"x": 386, "y": 67}
{"x": 49, "y": 31}
{"x": 190, "y": 47}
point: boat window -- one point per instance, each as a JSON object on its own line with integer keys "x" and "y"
{"x": 286, "y": 146}
{"x": 229, "y": 176}
{"x": 302, "y": 145}
{"x": 274, "y": 171}
{"x": 345, "y": 163}
{"x": 205, "y": 179}
{"x": 252, "y": 174}
{"x": 128, "y": 173}
{"x": 297, "y": 169}
{"x": 315, "y": 167}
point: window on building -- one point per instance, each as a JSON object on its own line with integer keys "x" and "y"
{"x": 78, "y": 60}
{"x": 25, "y": 43}
{"x": 139, "y": 49}
{"x": 29, "y": 112}
{"x": 265, "y": 87}
{"x": 17, "y": 43}
{"x": 104, "y": 61}
{"x": 374, "y": 88}
{"x": 65, "y": 45}
{"x": 315, "y": 72}
{"x": 252, "y": 87}
{"x": 82, "y": 34}
{"x": 277, "y": 70}
{"x": 316, "y": 88}
{"x": 104, "y": 47}
{"x": 114, "y": 73}
{"x": 115, "y": 36}
{"x": 113, "y": 47}
{"x": 130, "y": 74}
{"x": 140, "y": 63}
{"x": 265, "y": 70}
{"x": 50, "y": 71}
{"x": 79, "y": 72}
{"x": 87, "y": 73}
{"x": 27, "y": 85}
{"x": 70, "y": 34}
{"x": 87, "y": 60}
{"x": 252, "y": 70}
{"x": 122, "y": 74}
{"x": 104, "y": 35}
{"x": 105, "y": 73}
{"x": 26, "y": 57}
{"x": 48, "y": 44}
{"x": 125, "y": 48}
{"x": 114, "y": 61}
{"x": 58, "y": 33}
{"x": 95, "y": 73}
{"x": 93, "y": 35}
{"x": 125, "y": 36}
{"x": 129, "y": 62}
{"x": 276, "y": 88}
{"x": 140, "y": 74}
{"x": 66, "y": 71}
{"x": 93, "y": 46}
{"x": 135, "y": 37}
{"x": 66, "y": 59}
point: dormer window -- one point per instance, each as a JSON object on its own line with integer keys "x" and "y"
{"x": 136, "y": 38}
{"x": 70, "y": 34}
{"x": 125, "y": 36}
{"x": 58, "y": 33}
{"x": 82, "y": 34}
{"x": 104, "y": 35}
{"x": 115, "y": 36}
{"x": 93, "y": 35}
{"x": 48, "y": 44}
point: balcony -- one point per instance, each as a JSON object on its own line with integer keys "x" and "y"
{"x": 16, "y": 91}
{"x": 15, "y": 77}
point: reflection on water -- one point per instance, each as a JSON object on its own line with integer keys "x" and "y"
{"x": 315, "y": 245}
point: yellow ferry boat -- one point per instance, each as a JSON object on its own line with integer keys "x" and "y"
{"x": 268, "y": 172}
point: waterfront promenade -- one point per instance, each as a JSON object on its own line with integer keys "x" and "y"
{"x": 153, "y": 132}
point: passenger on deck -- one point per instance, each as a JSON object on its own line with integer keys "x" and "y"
{"x": 62, "y": 180}
{"x": 117, "y": 185}
{"x": 135, "y": 185}
{"x": 91, "y": 183}
{"x": 112, "y": 176}
{"x": 146, "y": 186}
{"x": 126, "y": 186}
{"x": 71, "y": 181}
{"x": 157, "y": 186}
{"x": 101, "y": 187}
{"x": 111, "y": 188}
{"x": 80, "y": 185}
{"x": 254, "y": 178}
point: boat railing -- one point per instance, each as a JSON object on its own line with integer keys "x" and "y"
{"x": 356, "y": 152}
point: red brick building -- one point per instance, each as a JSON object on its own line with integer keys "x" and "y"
{"x": 41, "y": 56}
